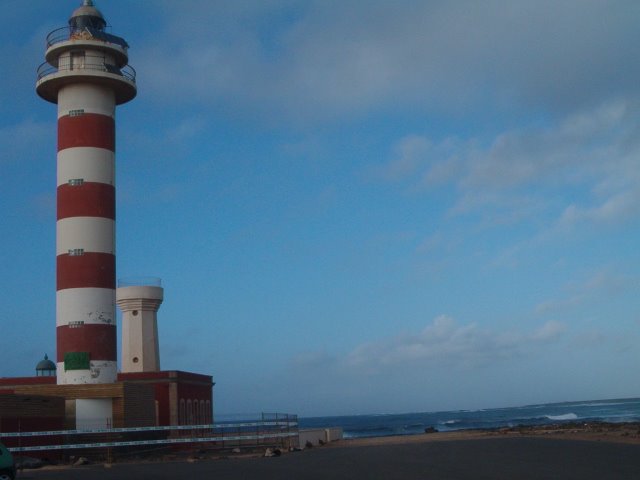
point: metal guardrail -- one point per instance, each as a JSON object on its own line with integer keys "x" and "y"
{"x": 127, "y": 71}
{"x": 271, "y": 427}
{"x": 232, "y": 438}
{"x": 140, "y": 282}
{"x": 212, "y": 426}
{"x": 65, "y": 33}
{"x": 58, "y": 35}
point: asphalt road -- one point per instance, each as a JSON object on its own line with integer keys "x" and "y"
{"x": 508, "y": 458}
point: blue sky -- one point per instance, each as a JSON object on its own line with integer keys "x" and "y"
{"x": 355, "y": 207}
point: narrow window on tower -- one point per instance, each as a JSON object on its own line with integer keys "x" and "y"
{"x": 77, "y": 112}
{"x": 76, "y": 182}
{"x": 77, "y": 60}
{"x": 75, "y": 252}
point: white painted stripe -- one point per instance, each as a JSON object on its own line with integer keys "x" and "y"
{"x": 92, "y": 234}
{"x": 102, "y": 371}
{"x": 85, "y": 305}
{"x": 90, "y": 164}
{"x": 87, "y": 97}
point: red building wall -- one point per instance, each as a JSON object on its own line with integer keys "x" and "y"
{"x": 182, "y": 398}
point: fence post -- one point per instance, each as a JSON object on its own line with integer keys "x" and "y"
{"x": 110, "y": 438}
{"x": 288, "y": 432}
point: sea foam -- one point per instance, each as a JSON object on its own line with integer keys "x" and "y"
{"x": 566, "y": 416}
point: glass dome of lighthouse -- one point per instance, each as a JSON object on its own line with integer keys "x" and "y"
{"x": 87, "y": 16}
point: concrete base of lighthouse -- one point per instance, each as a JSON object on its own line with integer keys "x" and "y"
{"x": 165, "y": 398}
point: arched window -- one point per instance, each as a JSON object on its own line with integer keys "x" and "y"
{"x": 196, "y": 413}
{"x": 181, "y": 415}
{"x": 203, "y": 417}
{"x": 208, "y": 407}
{"x": 189, "y": 412}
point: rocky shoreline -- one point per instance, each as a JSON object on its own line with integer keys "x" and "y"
{"x": 615, "y": 432}
{"x": 593, "y": 431}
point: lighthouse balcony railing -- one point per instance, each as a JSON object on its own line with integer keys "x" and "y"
{"x": 64, "y": 34}
{"x": 140, "y": 282}
{"x": 92, "y": 63}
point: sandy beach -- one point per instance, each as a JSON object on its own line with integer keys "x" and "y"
{"x": 587, "y": 451}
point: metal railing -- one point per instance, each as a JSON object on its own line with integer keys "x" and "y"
{"x": 139, "y": 282}
{"x": 63, "y": 34}
{"x": 127, "y": 71}
{"x": 269, "y": 430}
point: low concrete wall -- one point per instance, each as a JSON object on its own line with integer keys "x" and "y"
{"x": 318, "y": 436}
{"x": 333, "y": 434}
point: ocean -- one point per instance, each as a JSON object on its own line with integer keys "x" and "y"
{"x": 354, "y": 426}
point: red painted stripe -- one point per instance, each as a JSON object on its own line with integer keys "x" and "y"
{"x": 96, "y": 339}
{"x": 91, "y": 199}
{"x": 97, "y": 270}
{"x": 88, "y": 130}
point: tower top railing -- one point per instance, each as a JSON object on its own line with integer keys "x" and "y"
{"x": 66, "y": 33}
{"x": 139, "y": 282}
{"x": 127, "y": 71}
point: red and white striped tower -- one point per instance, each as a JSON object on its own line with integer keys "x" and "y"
{"x": 86, "y": 74}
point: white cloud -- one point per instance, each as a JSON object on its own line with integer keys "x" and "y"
{"x": 605, "y": 282}
{"x": 324, "y": 59}
{"x": 408, "y": 157}
{"x": 441, "y": 344}
{"x": 562, "y": 153}
{"x": 186, "y": 129}
{"x": 617, "y": 208}
{"x": 549, "y": 331}
{"x": 581, "y": 169}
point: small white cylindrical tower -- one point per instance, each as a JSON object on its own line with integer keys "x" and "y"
{"x": 86, "y": 74}
{"x": 139, "y": 304}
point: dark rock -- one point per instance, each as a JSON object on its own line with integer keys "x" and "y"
{"x": 81, "y": 461}
{"x": 430, "y": 430}
{"x": 28, "y": 462}
{"x": 272, "y": 452}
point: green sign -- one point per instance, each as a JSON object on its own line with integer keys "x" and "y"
{"x": 76, "y": 361}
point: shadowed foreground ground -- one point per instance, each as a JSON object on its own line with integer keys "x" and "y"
{"x": 490, "y": 458}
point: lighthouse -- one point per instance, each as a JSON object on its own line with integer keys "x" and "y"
{"x": 86, "y": 73}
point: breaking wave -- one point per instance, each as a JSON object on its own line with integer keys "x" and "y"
{"x": 566, "y": 416}
{"x": 625, "y": 410}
